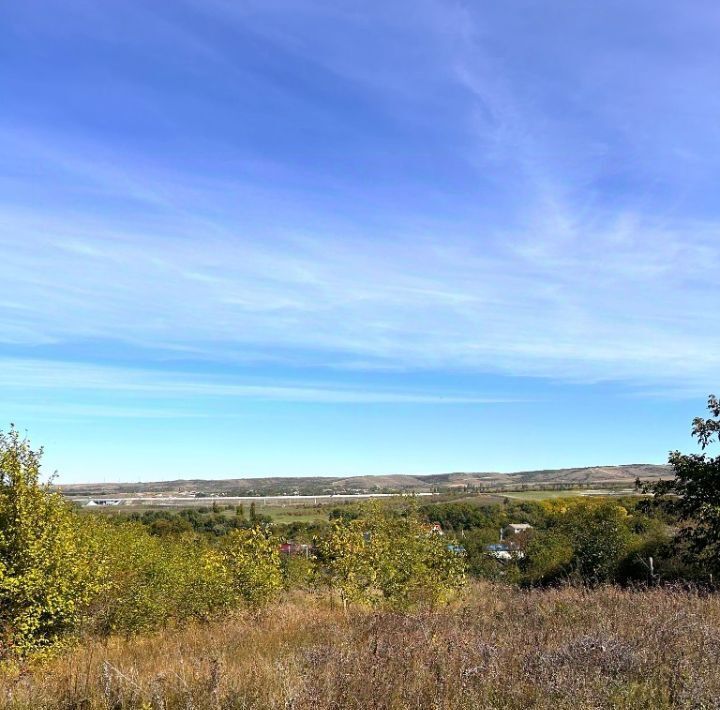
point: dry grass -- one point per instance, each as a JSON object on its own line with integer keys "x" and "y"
{"x": 497, "y": 648}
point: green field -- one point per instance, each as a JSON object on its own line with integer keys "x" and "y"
{"x": 308, "y": 512}
{"x": 548, "y": 495}
{"x": 543, "y": 495}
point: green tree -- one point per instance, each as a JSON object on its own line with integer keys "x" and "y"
{"x": 548, "y": 556}
{"x": 153, "y": 581}
{"x": 599, "y": 536}
{"x": 693, "y": 495}
{"x": 174, "y": 525}
{"x": 386, "y": 558}
{"x": 253, "y": 560}
{"x": 48, "y": 574}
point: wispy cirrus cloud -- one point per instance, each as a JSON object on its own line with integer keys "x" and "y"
{"x": 549, "y": 252}
{"x": 615, "y": 300}
{"x": 30, "y": 386}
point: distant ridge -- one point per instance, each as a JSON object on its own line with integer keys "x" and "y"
{"x": 562, "y": 478}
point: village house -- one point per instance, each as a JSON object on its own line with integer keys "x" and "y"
{"x": 515, "y": 528}
{"x": 504, "y": 551}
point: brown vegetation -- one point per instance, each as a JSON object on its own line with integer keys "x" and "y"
{"x": 498, "y": 647}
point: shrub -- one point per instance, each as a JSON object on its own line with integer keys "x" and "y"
{"x": 548, "y": 556}
{"x": 253, "y": 563}
{"x": 153, "y": 581}
{"x": 382, "y": 558}
{"x": 47, "y": 571}
{"x": 600, "y": 538}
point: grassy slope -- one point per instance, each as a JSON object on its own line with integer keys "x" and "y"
{"x": 497, "y": 648}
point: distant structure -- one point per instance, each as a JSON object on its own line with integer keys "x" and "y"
{"x": 507, "y": 550}
{"x": 515, "y": 528}
{"x": 102, "y": 502}
{"x": 295, "y": 548}
{"x": 503, "y": 552}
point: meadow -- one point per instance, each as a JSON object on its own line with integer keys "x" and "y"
{"x": 494, "y": 647}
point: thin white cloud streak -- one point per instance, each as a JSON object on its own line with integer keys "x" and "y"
{"x": 26, "y": 376}
{"x": 61, "y": 412}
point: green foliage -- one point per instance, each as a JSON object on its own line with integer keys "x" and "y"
{"x": 202, "y": 520}
{"x": 582, "y": 539}
{"x": 652, "y": 541}
{"x": 47, "y": 571}
{"x": 471, "y": 516}
{"x": 384, "y": 558}
{"x": 61, "y": 571}
{"x": 600, "y": 538}
{"x": 548, "y": 557}
{"x": 479, "y": 563}
{"x": 693, "y": 496}
{"x": 162, "y": 527}
{"x": 154, "y": 581}
{"x": 298, "y": 571}
{"x": 157, "y": 581}
{"x": 253, "y": 561}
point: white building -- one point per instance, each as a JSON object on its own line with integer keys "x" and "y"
{"x": 515, "y": 528}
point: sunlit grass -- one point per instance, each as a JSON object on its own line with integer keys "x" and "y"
{"x": 497, "y": 647}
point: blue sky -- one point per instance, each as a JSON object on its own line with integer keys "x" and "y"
{"x": 257, "y": 238}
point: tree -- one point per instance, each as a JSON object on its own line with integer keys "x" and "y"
{"x": 548, "y": 556}
{"x": 599, "y": 536}
{"x": 47, "y": 569}
{"x": 693, "y": 495}
{"x": 386, "y": 558}
{"x": 253, "y": 559}
{"x": 154, "y": 581}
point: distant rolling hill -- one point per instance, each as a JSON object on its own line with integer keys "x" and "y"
{"x": 594, "y": 476}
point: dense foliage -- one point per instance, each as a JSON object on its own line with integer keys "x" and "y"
{"x": 48, "y": 571}
{"x": 693, "y": 496}
{"x": 380, "y": 558}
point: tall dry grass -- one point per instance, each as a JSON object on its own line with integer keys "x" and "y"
{"x": 498, "y": 647}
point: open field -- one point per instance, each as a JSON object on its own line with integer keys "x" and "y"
{"x": 282, "y": 509}
{"x": 547, "y": 495}
{"x": 280, "y": 512}
{"x": 541, "y": 495}
{"x": 499, "y": 647}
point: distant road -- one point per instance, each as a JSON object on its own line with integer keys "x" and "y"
{"x": 176, "y": 500}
